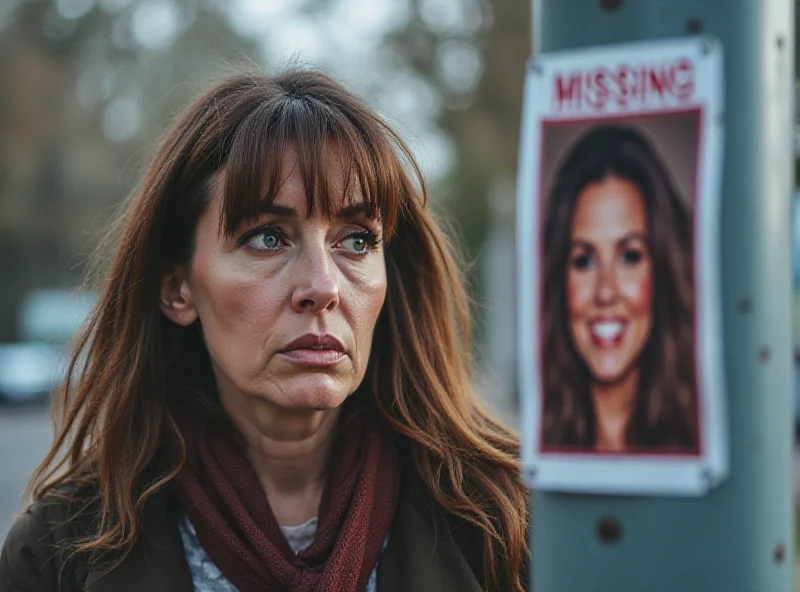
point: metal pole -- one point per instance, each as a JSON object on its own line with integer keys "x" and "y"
{"x": 739, "y": 538}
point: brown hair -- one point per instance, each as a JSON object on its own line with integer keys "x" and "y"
{"x": 133, "y": 367}
{"x": 665, "y": 414}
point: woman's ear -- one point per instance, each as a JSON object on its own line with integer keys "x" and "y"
{"x": 175, "y": 299}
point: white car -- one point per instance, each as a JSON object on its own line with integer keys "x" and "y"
{"x": 48, "y": 319}
{"x": 30, "y": 371}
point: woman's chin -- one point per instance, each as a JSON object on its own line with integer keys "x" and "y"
{"x": 611, "y": 374}
{"x": 315, "y": 402}
{"x": 307, "y": 394}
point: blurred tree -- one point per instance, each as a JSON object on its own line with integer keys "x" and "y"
{"x": 86, "y": 87}
{"x": 473, "y": 52}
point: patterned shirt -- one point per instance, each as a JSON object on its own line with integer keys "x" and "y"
{"x": 206, "y": 577}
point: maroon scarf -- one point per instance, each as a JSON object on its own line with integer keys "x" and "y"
{"x": 226, "y": 503}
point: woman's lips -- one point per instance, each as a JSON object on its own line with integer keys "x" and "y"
{"x": 607, "y": 333}
{"x": 313, "y": 349}
{"x": 314, "y": 357}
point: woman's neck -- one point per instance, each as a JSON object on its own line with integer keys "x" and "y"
{"x": 613, "y": 408}
{"x": 289, "y": 450}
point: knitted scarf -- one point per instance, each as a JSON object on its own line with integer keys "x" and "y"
{"x": 222, "y": 496}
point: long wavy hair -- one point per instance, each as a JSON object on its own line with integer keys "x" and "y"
{"x": 665, "y": 411}
{"x": 132, "y": 369}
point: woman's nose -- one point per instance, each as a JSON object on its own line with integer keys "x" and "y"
{"x": 605, "y": 291}
{"x": 317, "y": 287}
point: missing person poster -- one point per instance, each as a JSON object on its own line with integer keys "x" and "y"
{"x": 618, "y": 269}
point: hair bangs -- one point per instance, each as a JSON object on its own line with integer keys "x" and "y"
{"x": 255, "y": 162}
{"x": 323, "y": 139}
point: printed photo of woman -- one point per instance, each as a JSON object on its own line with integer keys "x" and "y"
{"x": 617, "y": 302}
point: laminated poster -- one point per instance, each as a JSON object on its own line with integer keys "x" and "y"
{"x": 618, "y": 212}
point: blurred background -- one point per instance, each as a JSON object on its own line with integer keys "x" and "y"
{"x": 88, "y": 85}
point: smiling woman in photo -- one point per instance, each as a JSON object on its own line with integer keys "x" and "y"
{"x": 617, "y": 315}
{"x": 274, "y": 391}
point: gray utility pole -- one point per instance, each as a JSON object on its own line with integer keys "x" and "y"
{"x": 738, "y": 538}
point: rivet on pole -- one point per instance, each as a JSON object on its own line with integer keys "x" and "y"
{"x": 694, "y": 26}
{"x": 764, "y": 354}
{"x": 610, "y": 5}
{"x": 780, "y": 553}
{"x": 609, "y": 530}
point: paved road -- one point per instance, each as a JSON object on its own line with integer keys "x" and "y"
{"x": 25, "y": 435}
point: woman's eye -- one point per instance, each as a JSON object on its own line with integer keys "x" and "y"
{"x": 268, "y": 239}
{"x": 582, "y": 261}
{"x": 360, "y": 243}
{"x": 632, "y": 256}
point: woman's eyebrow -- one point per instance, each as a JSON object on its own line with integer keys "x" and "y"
{"x": 633, "y": 236}
{"x": 580, "y": 243}
{"x": 352, "y": 210}
{"x": 280, "y": 211}
{"x": 349, "y": 211}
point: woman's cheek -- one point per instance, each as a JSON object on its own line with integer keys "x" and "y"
{"x": 637, "y": 288}
{"x": 579, "y": 292}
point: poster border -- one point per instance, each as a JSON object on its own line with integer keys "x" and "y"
{"x": 639, "y": 472}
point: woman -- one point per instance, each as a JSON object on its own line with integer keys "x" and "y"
{"x": 617, "y": 315}
{"x": 273, "y": 392}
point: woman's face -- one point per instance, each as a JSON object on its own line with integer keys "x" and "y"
{"x": 609, "y": 278}
{"x": 288, "y": 305}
